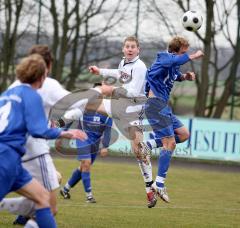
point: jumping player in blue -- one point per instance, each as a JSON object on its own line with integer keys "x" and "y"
{"x": 21, "y": 113}
{"x": 167, "y": 128}
{"x": 98, "y": 129}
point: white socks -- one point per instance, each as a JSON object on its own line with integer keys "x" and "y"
{"x": 18, "y": 206}
{"x": 146, "y": 170}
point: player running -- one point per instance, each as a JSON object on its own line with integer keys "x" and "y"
{"x": 98, "y": 129}
{"x": 37, "y": 159}
{"x": 21, "y": 113}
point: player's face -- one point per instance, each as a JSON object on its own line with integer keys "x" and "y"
{"x": 130, "y": 50}
{"x": 182, "y": 50}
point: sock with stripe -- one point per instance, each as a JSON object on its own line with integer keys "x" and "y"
{"x": 163, "y": 165}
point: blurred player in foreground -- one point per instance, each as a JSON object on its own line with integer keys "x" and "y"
{"x": 37, "y": 159}
{"x": 21, "y": 113}
{"x": 167, "y": 128}
{"x": 131, "y": 75}
{"x": 98, "y": 129}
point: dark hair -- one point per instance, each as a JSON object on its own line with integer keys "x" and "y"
{"x": 31, "y": 69}
{"x": 176, "y": 43}
{"x": 44, "y": 51}
{"x": 97, "y": 84}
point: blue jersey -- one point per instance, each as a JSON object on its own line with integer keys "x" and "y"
{"x": 97, "y": 126}
{"x": 163, "y": 72}
{"x": 21, "y": 112}
{"x": 98, "y": 129}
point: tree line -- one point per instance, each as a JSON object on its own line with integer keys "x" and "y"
{"x": 81, "y": 33}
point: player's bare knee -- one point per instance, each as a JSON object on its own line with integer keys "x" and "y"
{"x": 54, "y": 210}
{"x": 136, "y": 153}
{"x": 173, "y": 146}
{"x": 169, "y": 144}
{"x": 186, "y": 136}
{"x": 42, "y": 199}
{"x": 85, "y": 165}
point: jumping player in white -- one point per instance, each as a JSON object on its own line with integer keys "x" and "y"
{"x": 131, "y": 74}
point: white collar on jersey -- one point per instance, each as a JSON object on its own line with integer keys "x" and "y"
{"x": 131, "y": 61}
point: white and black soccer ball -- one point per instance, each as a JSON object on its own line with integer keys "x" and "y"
{"x": 192, "y": 21}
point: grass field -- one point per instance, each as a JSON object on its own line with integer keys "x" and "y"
{"x": 199, "y": 198}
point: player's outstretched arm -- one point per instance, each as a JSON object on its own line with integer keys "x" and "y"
{"x": 94, "y": 70}
{"x": 198, "y": 54}
{"x": 104, "y": 72}
{"x": 73, "y": 134}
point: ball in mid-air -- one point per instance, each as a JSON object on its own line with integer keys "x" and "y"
{"x": 192, "y": 21}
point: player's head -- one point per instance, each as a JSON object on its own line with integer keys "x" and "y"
{"x": 178, "y": 45}
{"x": 32, "y": 69}
{"x": 130, "y": 48}
{"x": 45, "y": 52}
{"x": 97, "y": 84}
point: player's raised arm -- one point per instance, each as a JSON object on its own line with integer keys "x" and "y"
{"x": 104, "y": 72}
{"x": 196, "y": 55}
{"x": 94, "y": 70}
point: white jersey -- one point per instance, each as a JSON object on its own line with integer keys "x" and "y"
{"x": 51, "y": 92}
{"x": 131, "y": 75}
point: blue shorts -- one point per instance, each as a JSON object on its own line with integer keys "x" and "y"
{"x": 12, "y": 175}
{"x": 87, "y": 149}
{"x": 161, "y": 118}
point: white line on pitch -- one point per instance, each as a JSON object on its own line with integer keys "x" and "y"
{"x": 133, "y": 207}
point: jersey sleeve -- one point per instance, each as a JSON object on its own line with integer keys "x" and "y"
{"x": 146, "y": 88}
{"x": 180, "y": 59}
{"x": 36, "y": 121}
{"x": 110, "y": 73}
{"x": 52, "y": 91}
{"x": 179, "y": 74}
{"x": 107, "y": 134}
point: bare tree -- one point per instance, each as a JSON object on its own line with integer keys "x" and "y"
{"x": 73, "y": 30}
{"x": 212, "y": 97}
{"x": 12, "y": 11}
{"x": 231, "y": 79}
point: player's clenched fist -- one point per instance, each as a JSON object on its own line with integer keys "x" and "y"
{"x": 94, "y": 70}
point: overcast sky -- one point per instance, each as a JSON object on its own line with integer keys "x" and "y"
{"x": 152, "y": 28}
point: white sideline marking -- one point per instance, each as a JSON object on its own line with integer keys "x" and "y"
{"x": 144, "y": 207}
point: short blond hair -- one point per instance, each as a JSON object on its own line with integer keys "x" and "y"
{"x": 176, "y": 43}
{"x": 132, "y": 39}
{"x": 31, "y": 68}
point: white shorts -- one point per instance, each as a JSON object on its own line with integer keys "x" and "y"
{"x": 107, "y": 106}
{"x": 132, "y": 108}
{"x": 43, "y": 169}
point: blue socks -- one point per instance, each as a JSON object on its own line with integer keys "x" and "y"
{"x": 77, "y": 175}
{"x": 86, "y": 181}
{"x": 75, "y": 178}
{"x": 163, "y": 165}
{"x": 44, "y": 218}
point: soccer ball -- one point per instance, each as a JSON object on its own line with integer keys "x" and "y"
{"x": 192, "y": 21}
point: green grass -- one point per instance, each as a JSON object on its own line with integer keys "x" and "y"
{"x": 199, "y": 198}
